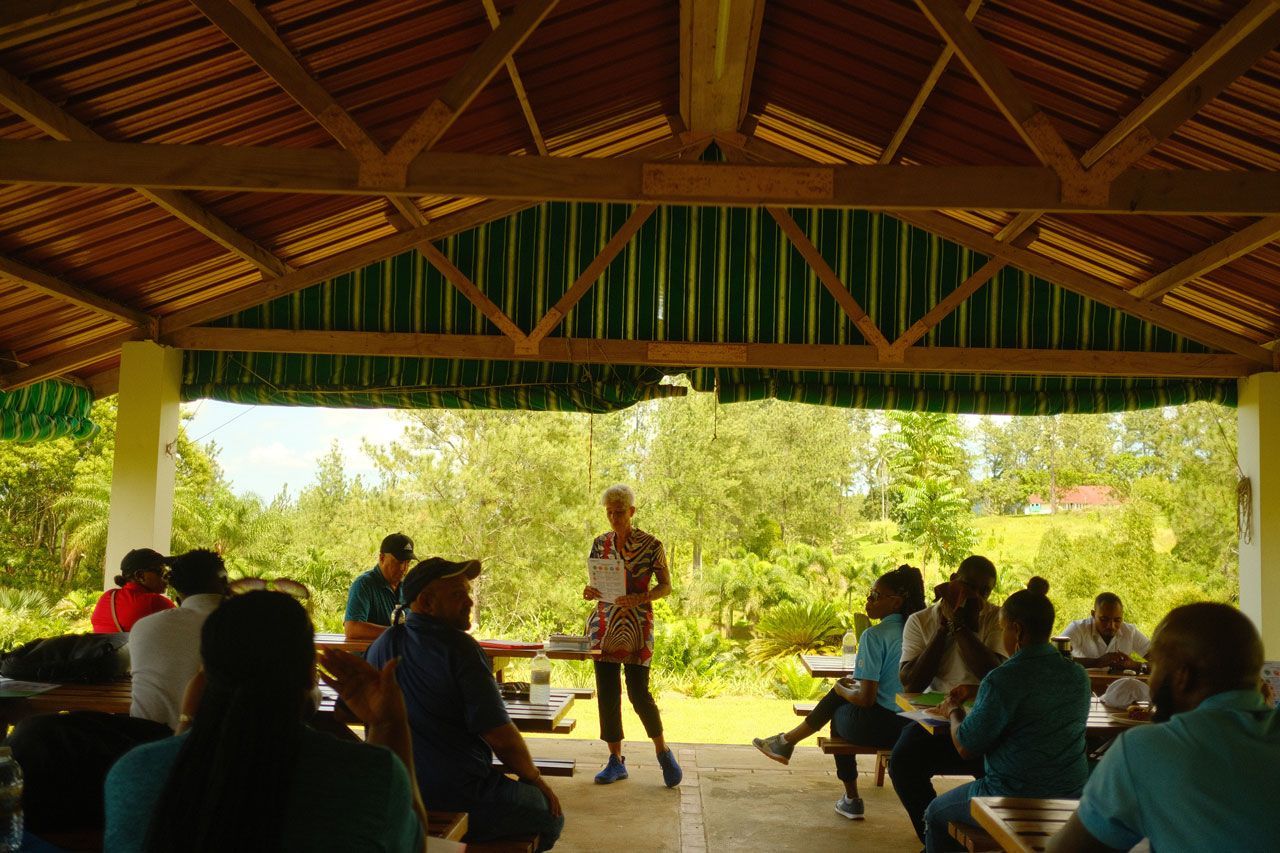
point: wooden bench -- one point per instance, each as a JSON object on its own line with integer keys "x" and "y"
{"x": 519, "y": 844}
{"x": 839, "y": 746}
{"x": 549, "y": 766}
{"x": 974, "y": 838}
{"x": 803, "y": 709}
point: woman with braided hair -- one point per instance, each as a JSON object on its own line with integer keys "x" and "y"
{"x": 861, "y": 709}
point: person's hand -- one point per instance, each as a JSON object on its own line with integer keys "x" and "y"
{"x": 1119, "y": 660}
{"x": 846, "y": 689}
{"x": 968, "y": 612}
{"x": 372, "y": 695}
{"x": 962, "y": 693}
{"x": 191, "y": 697}
{"x": 553, "y": 802}
{"x": 591, "y": 594}
{"x": 635, "y": 599}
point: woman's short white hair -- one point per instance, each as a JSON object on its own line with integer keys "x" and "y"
{"x": 618, "y": 493}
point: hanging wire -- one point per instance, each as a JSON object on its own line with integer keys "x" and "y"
{"x": 215, "y": 429}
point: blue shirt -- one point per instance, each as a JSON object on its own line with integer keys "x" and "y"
{"x": 879, "y": 653}
{"x": 1205, "y": 780}
{"x": 344, "y": 796}
{"x": 371, "y": 599}
{"x": 1028, "y": 721}
{"x": 452, "y": 699}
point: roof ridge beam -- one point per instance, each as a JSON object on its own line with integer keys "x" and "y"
{"x": 517, "y": 83}
{"x": 1241, "y": 243}
{"x": 50, "y": 285}
{"x": 61, "y": 125}
{"x": 462, "y": 88}
{"x": 719, "y": 41}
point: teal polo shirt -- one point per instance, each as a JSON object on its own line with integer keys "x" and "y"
{"x": 1205, "y": 780}
{"x": 1028, "y": 722}
{"x": 370, "y": 599}
{"x": 879, "y": 655}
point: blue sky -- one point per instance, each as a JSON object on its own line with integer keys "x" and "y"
{"x": 262, "y": 448}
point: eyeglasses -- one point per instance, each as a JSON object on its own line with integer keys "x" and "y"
{"x": 876, "y": 595}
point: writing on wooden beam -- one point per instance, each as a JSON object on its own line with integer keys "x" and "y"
{"x": 748, "y": 184}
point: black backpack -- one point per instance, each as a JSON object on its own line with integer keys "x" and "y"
{"x": 89, "y": 658}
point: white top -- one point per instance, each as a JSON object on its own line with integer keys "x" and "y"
{"x": 923, "y": 625}
{"x": 165, "y": 652}
{"x": 1086, "y": 642}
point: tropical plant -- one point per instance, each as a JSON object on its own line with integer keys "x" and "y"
{"x": 792, "y": 628}
{"x": 789, "y": 681}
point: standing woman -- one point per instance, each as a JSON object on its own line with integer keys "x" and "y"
{"x": 862, "y": 709}
{"x": 623, "y": 632}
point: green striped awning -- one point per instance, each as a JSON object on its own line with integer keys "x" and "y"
{"x": 46, "y": 410}
{"x": 692, "y": 274}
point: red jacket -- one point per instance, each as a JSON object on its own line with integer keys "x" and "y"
{"x": 133, "y": 601}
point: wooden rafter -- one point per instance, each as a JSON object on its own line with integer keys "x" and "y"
{"x": 1060, "y": 274}
{"x": 922, "y": 94}
{"x": 474, "y": 294}
{"x": 50, "y": 285}
{"x": 718, "y": 44}
{"x": 517, "y": 83}
{"x": 870, "y": 332}
{"x": 589, "y": 276}
{"x": 61, "y": 125}
{"x": 1239, "y": 244}
{"x": 677, "y": 354}
{"x": 241, "y": 22}
{"x": 24, "y": 20}
{"x": 627, "y": 180}
{"x": 463, "y": 87}
{"x": 68, "y": 360}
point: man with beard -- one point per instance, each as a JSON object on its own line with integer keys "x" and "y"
{"x": 1105, "y": 639}
{"x": 1205, "y": 779}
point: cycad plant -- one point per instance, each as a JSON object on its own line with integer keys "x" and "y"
{"x": 791, "y": 628}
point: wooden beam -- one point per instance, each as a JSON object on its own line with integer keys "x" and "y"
{"x": 719, "y": 40}
{"x": 681, "y": 354}
{"x": 104, "y": 384}
{"x": 67, "y": 361}
{"x": 949, "y": 303}
{"x": 589, "y": 276}
{"x": 1230, "y": 50}
{"x": 922, "y": 94}
{"x": 517, "y": 84}
{"x": 25, "y": 20}
{"x": 474, "y": 294}
{"x": 1241, "y": 243}
{"x": 212, "y": 167}
{"x": 61, "y": 125}
{"x": 1060, "y": 274}
{"x": 463, "y": 87}
{"x": 870, "y": 331}
{"x": 42, "y": 282}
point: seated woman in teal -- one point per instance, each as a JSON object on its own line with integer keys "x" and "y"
{"x": 1027, "y": 722}
{"x": 862, "y": 709}
{"x": 250, "y": 774}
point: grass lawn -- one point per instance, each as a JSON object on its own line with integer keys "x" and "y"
{"x": 726, "y": 719}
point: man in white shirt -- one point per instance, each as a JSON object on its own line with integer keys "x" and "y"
{"x": 947, "y": 647}
{"x": 165, "y": 647}
{"x": 1105, "y": 639}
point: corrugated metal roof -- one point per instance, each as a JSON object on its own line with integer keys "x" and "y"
{"x": 832, "y": 80}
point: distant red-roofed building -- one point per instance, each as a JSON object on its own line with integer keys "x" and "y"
{"x": 1077, "y": 497}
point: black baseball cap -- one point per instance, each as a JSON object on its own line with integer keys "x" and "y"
{"x": 399, "y": 546}
{"x": 140, "y": 560}
{"x": 434, "y": 569}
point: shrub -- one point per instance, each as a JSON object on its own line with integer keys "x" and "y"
{"x": 791, "y": 628}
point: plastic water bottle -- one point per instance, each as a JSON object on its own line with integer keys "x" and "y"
{"x": 10, "y": 802}
{"x": 540, "y": 678}
{"x": 849, "y": 649}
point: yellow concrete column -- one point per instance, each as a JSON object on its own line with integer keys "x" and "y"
{"x": 142, "y": 480}
{"x": 1259, "y": 454}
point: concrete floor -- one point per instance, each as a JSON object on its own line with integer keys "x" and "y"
{"x": 732, "y": 799}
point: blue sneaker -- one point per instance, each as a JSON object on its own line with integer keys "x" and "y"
{"x": 614, "y": 771}
{"x": 671, "y": 772}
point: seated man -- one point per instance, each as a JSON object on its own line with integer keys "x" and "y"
{"x": 947, "y": 647}
{"x": 1205, "y": 779}
{"x": 1028, "y": 722}
{"x": 374, "y": 595}
{"x": 1105, "y": 639}
{"x": 456, "y": 715}
{"x": 165, "y": 647}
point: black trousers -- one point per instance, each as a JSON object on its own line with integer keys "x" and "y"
{"x": 874, "y": 726}
{"x": 609, "y": 700}
{"x": 917, "y": 758}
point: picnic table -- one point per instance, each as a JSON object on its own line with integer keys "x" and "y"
{"x": 1021, "y": 824}
{"x": 451, "y": 826}
{"x": 825, "y": 666}
{"x": 339, "y": 641}
{"x": 1101, "y": 723}
{"x": 500, "y": 651}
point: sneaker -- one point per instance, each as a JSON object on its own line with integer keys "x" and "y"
{"x": 614, "y": 771}
{"x": 671, "y": 772}
{"x": 775, "y": 747}
{"x": 851, "y": 809}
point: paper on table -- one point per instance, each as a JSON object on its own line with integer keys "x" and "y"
{"x": 13, "y": 689}
{"x": 609, "y": 576}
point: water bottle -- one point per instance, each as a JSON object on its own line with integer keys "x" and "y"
{"x": 540, "y": 678}
{"x": 10, "y": 802}
{"x": 849, "y": 649}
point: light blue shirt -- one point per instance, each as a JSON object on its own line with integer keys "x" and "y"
{"x": 1205, "y": 780}
{"x": 879, "y": 652}
{"x": 1028, "y": 721}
